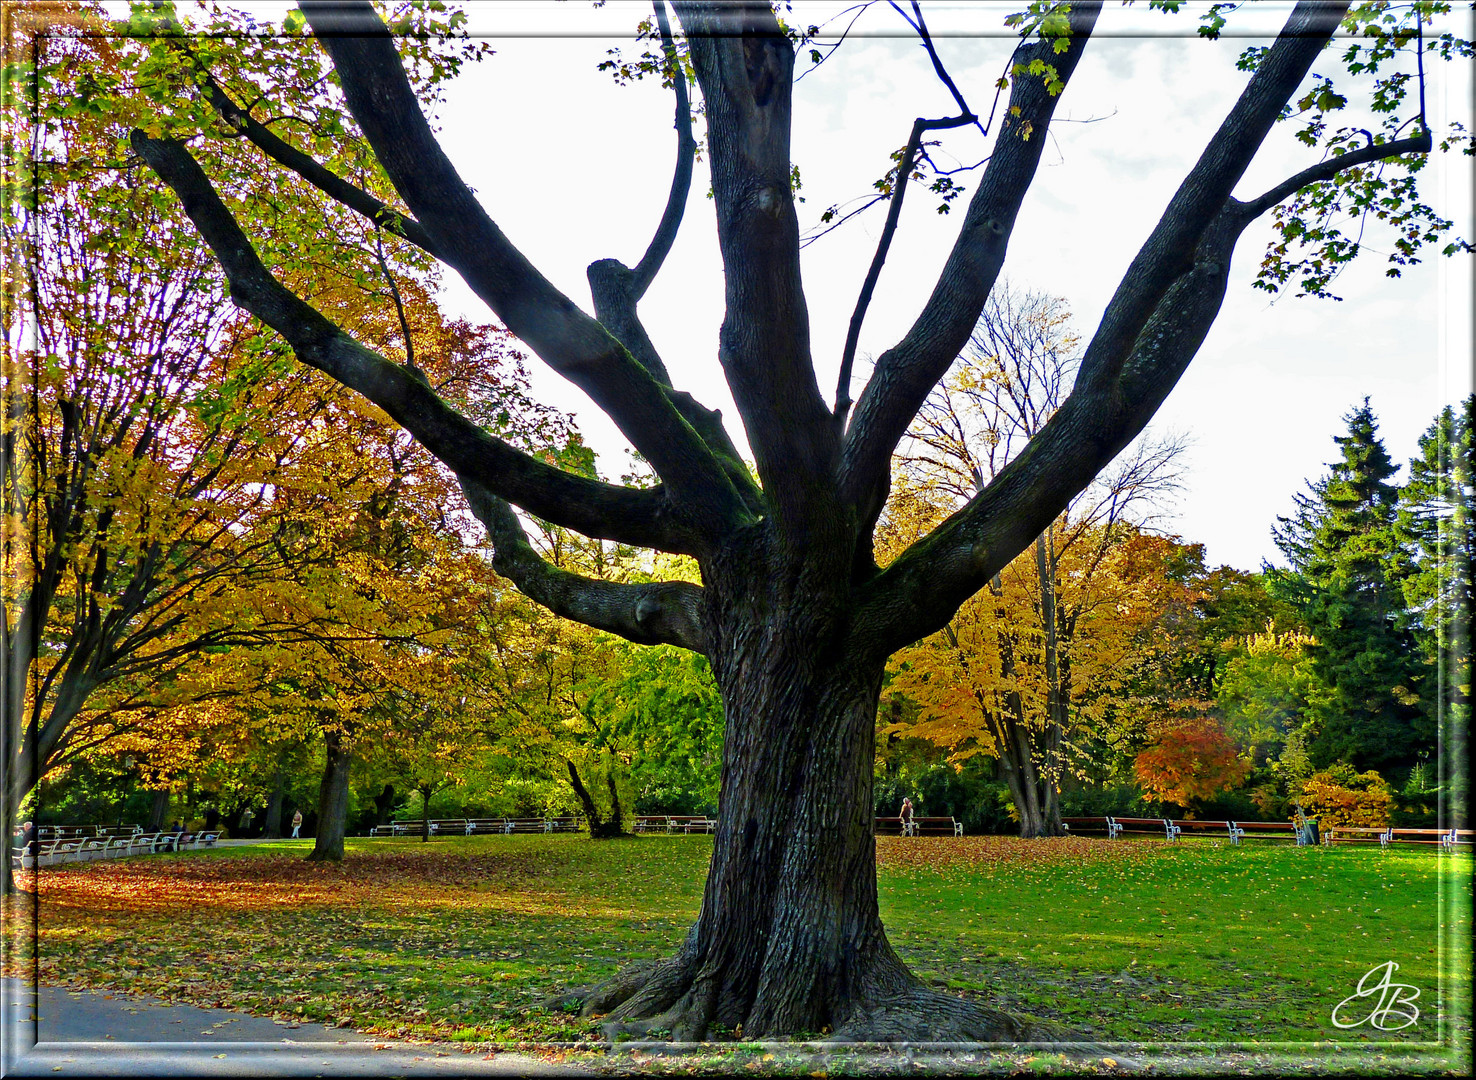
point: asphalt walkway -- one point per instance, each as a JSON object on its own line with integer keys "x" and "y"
{"x": 54, "y": 1031}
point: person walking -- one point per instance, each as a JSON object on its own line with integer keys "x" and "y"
{"x": 906, "y": 816}
{"x": 296, "y": 824}
{"x": 246, "y": 817}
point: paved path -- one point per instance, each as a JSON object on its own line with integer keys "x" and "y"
{"x": 89, "y": 1033}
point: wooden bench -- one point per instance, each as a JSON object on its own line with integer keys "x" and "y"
{"x": 1231, "y": 830}
{"x": 1446, "y": 839}
{"x": 1452, "y": 838}
{"x": 939, "y": 826}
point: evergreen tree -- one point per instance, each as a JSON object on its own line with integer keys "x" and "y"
{"x": 1346, "y": 569}
{"x": 1435, "y": 525}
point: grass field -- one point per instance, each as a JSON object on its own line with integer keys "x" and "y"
{"x": 1130, "y": 941}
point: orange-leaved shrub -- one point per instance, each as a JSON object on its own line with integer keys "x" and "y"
{"x": 1339, "y": 795}
{"x": 1192, "y": 761}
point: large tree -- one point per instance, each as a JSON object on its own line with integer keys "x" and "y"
{"x": 793, "y": 612}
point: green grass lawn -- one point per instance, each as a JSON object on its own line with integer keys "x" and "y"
{"x": 1130, "y": 941}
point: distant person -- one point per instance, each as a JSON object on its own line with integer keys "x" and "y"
{"x": 246, "y": 816}
{"x": 296, "y": 824}
{"x": 905, "y": 814}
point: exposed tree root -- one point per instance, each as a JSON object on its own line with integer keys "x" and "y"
{"x": 661, "y": 1000}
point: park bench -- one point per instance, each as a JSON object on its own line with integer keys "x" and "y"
{"x": 483, "y": 825}
{"x": 652, "y": 823}
{"x": 1267, "y": 830}
{"x": 1229, "y": 828}
{"x": 1446, "y": 839}
{"x": 939, "y": 826}
{"x": 568, "y": 823}
{"x": 522, "y": 825}
{"x": 688, "y": 823}
{"x": 1119, "y": 825}
{"x": 1078, "y": 825}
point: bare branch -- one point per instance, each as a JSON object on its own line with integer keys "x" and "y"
{"x": 906, "y": 373}
{"x": 681, "y": 180}
{"x": 591, "y": 507}
{"x": 382, "y": 101}
{"x": 658, "y": 613}
{"x": 326, "y": 181}
{"x": 883, "y": 245}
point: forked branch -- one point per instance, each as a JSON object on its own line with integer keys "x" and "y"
{"x": 588, "y": 506}
{"x": 382, "y": 101}
{"x": 658, "y": 613}
{"x": 907, "y": 373}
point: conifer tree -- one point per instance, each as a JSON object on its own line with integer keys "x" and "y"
{"x": 1346, "y": 568}
{"x": 1435, "y": 525}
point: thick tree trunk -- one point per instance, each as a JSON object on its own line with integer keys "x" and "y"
{"x": 600, "y": 827}
{"x": 158, "y": 811}
{"x": 384, "y": 804}
{"x": 271, "y": 821}
{"x": 789, "y": 938}
{"x": 332, "y": 802}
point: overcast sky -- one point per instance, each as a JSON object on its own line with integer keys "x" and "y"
{"x": 575, "y": 169}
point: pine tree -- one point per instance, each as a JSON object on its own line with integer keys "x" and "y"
{"x": 1434, "y": 522}
{"x": 1345, "y": 577}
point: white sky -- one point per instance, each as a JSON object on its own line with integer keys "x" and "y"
{"x": 575, "y": 169}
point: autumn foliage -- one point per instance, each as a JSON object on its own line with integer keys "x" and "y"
{"x": 1339, "y": 795}
{"x": 1189, "y": 763}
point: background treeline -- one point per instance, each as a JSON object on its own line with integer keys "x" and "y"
{"x": 1110, "y": 670}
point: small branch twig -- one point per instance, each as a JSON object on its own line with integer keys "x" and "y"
{"x": 681, "y": 181}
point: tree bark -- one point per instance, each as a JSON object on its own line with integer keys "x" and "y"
{"x": 158, "y": 811}
{"x": 332, "y": 801}
{"x": 271, "y": 823}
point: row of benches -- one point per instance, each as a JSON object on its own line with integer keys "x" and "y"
{"x": 87, "y": 832}
{"x": 675, "y": 823}
{"x": 1236, "y": 831}
{"x": 113, "y": 846}
{"x": 1448, "y": 839}
{"x": 671, "y": 823}
{"x": 479, "y": 826}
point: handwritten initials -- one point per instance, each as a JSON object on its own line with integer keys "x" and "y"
{"x": 1395, "y": 1005}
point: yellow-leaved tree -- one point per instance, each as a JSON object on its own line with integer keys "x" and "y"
{"x": 1052, "y": 646}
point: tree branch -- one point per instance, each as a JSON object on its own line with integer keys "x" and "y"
{"x": 575, "y": 345}
{"x": 616, "y": 289}
{"x": 668, "y": 612}
{"x": 907, "y": 373}
{"x": 744, "y": 65}
{"x": 883, "y": 245}
{"x": 326, "y": 181}
{"x": 588, "y": 506}
{"x": 921, "y": 590}
{"x": 1170, "y": 249}
{"x": 681, "y": 180}
{"x": 1326, "y": 170}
